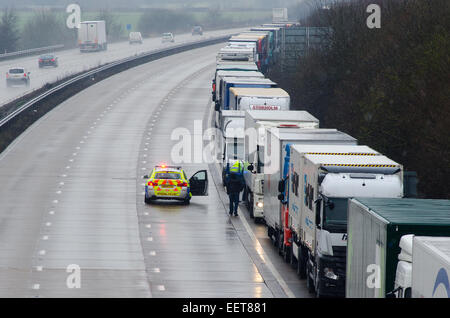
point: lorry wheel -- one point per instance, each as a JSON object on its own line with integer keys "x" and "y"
{"x": 280, "y": 239}
{"x": 287, "y": 254}
{"x": 301, "y": 265}
{"x": 269, "y": 232}
{"x": 293, "y": 262}
{"x": 309, "y": 282}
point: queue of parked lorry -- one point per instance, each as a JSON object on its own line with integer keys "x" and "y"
{"x": 335, "y": 210}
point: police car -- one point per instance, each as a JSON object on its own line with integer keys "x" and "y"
{"x": 170, "y": 183}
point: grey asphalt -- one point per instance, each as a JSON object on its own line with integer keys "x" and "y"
{"x": 72, "y": 194}
{"x": 72, "y": 61}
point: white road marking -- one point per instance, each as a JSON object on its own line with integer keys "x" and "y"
{"x": 152, "y": 253}
{"x": 161, "y": 287}
{"x": 36, "y": 286}
{"x": 148, "y": 226}
{"x": 55, "y": 201}
{"x": 58, "y": 192}
{"x": 48, "y": 224}
{"x": 156, "y": 270}
{"x": 51, "y": 212}
{"x": 150, "y": 239}
{"x": 39, "y": 268}
{"x": 42, "y": 252}
{"x": 45, "y": 237}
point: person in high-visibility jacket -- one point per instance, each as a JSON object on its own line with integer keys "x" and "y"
{"x": 234, "y": 184}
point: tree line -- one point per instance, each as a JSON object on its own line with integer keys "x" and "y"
{"x": 389, "y": 87}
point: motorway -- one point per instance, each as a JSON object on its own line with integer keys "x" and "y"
{"x": 72, "y": 195}
{"x": 73, "y": 61}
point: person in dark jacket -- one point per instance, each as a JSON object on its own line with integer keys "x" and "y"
{"x": 234, "y": 187}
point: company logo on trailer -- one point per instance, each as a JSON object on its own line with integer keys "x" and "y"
{"x": 441, "y": 279}
{"x": 264, "y": 107}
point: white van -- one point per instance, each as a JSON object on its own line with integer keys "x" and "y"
{"x": 135, "y": 37}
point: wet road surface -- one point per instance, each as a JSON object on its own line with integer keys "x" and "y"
{"x": 72, "y": 197}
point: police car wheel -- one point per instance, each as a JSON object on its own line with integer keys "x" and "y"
{"x": 147, "y": 200}
{"x": 187, "y": 202}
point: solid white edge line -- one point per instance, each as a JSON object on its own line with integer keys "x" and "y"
{"x": 252, "y": 235}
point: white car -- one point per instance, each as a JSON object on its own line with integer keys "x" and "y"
{"x": 168, "y": 37}
{"x": 17, "y": 75}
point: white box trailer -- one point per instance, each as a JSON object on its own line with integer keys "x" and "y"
{"x": 323, "y": 184}
{"x": 220, "y": 74}
{"x": 227, "y": 83}
{"x": 237, "y": 54}
{"x": 430, "y": 267}
{"x": 279, "y": 15}
{"x": 244, "y": 98}
{"x": 231, "y": 142}
{"x": 273, "y": 155}
{"x": 241, "y": 66}
{"x": 376, "y": 247}
{"x": 256, "y": 123}
{"x": 92, "y": 36}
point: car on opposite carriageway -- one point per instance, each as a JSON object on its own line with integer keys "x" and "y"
{"x": 171, "y": 183}
{"x": 17, "y": 75}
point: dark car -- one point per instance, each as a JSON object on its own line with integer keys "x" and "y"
{"x": 197, "y": 30}
{"x": 48, "y": 60}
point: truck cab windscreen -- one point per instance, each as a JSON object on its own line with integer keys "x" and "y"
{"x": 335, "y": 214}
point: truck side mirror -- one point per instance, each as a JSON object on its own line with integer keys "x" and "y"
{"x": 217, "y": 107}
{"x": 330, "y": 205}
{"x": 145, "y": 177}
{"x": 281, "y": 197}
{"x": 281, "y": 186}
{"x": 250, "y": 167}
{"x": 318, "y": 202}
{"x": 318, "y": 220}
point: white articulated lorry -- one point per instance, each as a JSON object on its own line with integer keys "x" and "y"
{"x": 226, "y": 83}
{"x": 397, "y": 248}
{"x": 231, "y": 66}
{"x": 237, "y": 54}
{"x": 231, "y": 144}
{"x": 274, "y": 155}
{"x": 431, "y": 267}
{"x": 321, "y": 182}
{"x": 279, "y": 15}
{"x": 92, "y": 36}
{"x": 244, "y": 98}
{"x": 256, "y": 123}
{"x": 224, "y": 98}
{"x": 423, "y": 268}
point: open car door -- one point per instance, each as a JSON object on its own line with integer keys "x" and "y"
{"x": 199, "y": 183}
